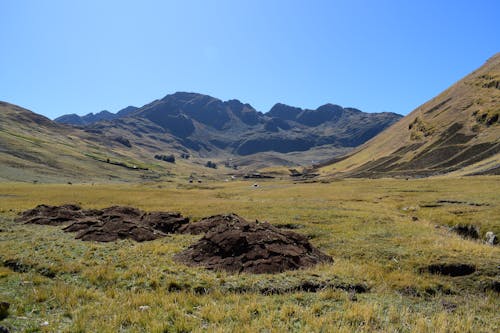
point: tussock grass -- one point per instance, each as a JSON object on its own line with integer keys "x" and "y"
{"x": 366, "y": 225}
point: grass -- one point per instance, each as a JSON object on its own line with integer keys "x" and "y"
{"x": 366, "y": 225}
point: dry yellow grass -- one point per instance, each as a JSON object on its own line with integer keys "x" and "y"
{"x": 366, "y": 225}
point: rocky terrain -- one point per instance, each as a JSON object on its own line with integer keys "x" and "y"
{"x": 211, "y": 127}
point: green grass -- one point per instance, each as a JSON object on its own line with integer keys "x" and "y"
{"x": 366, "y": 225}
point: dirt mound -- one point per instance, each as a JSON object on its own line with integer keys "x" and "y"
{"x": 50, "y": 215}
{"x": 209, "y": 223}
{"x": 112, "y": 230}
{"x": 236, "y": 245}
{"x": 108, "y": 224}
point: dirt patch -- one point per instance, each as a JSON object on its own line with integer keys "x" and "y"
{"x": 311, "y": 286}
{"x": 466, "y": 231}
{"x": 450, "y": 269}
{"x": 108, "y": 224}
{"x": 209, "y": 223}
{"x": 291, "y": 226}
{"x": 50, "y": 215}
{"x": 458, "y": 202}
{"x": 21, "y": 267}
{"x": 112, "y": 230}
{"x": 252, "y": 247}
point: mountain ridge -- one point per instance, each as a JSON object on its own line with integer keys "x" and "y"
{"x": 213, "y": 127}
{"x": 239, "y": 140}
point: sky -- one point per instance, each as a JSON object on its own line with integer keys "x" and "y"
{"x": 81, "y": 56}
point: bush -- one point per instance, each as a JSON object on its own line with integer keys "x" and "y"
{"x": 167, "y": 158}
{"x": 211, "y": 164}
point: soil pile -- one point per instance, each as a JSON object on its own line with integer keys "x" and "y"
{"x": 209, "y": 223}
{"x": 236, "y": 245}
{"x": 50, "y": 215}
{"x": 108, "y": 224}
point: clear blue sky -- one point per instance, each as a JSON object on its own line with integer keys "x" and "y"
{"x": 80, "y": 56}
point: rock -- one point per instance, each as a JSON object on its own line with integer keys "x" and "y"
{"x": 491, "y": 238}
{"x": 4, "y": 310}
{"x": 466, "y": 231}
{"x": 236, "y": 246}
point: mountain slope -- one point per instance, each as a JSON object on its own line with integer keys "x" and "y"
{"x": 34, "y": 148}
{"x": 129, "y": 145}
{"x": 457, "y": 130}
{"x": 214, "y": 128}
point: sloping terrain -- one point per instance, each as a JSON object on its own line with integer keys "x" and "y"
{"x": 457, "y": 131}
{"x": 188, "y": 130}
{"x": 210, "y": 127}
{"x": 34, "y": 148}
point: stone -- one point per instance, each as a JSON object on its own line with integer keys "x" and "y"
{"x": 491, "y": 238}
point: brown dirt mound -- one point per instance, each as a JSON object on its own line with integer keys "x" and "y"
{"x": 236, "y": 245}
{"x": 108, "y": 224}
{"x": 50, "y": 215}
{"x": 112, "y": 230}
{"x": 209, "y": 223}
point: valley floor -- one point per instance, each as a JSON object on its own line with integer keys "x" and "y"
{"x": 383, "y": 234}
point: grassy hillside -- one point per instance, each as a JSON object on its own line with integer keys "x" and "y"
{"x": 36, "y": 149}
{"x": 458, "y": 129}
{"x": 382, "y": 234}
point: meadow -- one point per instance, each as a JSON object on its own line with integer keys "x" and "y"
{"x": 381, "y": 233}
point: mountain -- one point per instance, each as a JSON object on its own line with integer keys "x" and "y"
{"x": 35, "y": 148}
{"x": 135, "y": 143}
{"x": 74, "y": 119}
{"x": 211, "y": 127}
{"x": 456, "y": 132}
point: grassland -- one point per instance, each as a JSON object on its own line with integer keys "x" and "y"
{"x": 381, "y": 233}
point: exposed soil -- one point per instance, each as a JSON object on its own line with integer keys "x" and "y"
{"x": 450, "y": 269}
{"x": 108, "y": 224}
{"x": 466, "y": 231}
{"x": 209, "y": 223}
{"x": 50, "y": 215}
{"x": 236, "y": 245}
{"x": 230, "y": 243}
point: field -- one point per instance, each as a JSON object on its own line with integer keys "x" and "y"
{"x": 382, "y": 234}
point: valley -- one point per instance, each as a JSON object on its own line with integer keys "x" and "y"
{"x": 384, "y": 235}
